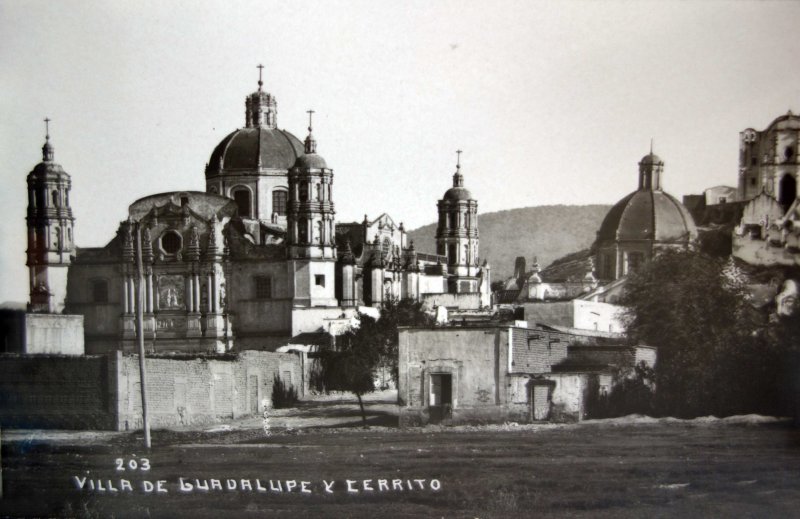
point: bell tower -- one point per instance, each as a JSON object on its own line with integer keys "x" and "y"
{"x": 311, "y": 233}
{"x": 457, "y": 235}
{"x": 50, "y": 232}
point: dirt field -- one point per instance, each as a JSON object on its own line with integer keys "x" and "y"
{"x": 679, "y": 469}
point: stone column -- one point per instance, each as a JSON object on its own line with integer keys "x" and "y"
{"x": 149, "y": 307}
{"x": 214, "y": 292}
{"x": 189, "y": 294}
{"x": 125, "y": 291}
{"x": 196, "y": 278}
{"x": 210, "y": 303}
{"x": 131, "y": 294}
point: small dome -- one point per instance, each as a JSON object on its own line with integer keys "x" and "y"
{"x": 310, "y": 161}
{"x": 789, "y": 121}
{"x": 651, "y": 158}
{"x": 648, "y": 215}
{"x": 241, "y": 149}
{"x": 458, "y": 193}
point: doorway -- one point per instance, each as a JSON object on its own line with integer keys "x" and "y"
{"x": 440, "y": 402}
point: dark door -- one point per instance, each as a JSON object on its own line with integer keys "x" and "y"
{"x": 441, "y": 397}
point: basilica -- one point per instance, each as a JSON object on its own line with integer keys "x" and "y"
{"x": 256, "y": 259}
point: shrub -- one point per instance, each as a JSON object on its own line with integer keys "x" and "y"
{"x": 283, "y": 395}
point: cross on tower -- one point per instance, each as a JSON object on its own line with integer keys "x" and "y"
{"x": 260, "y": 68}
{"x": 458, "y": 159}
{"x": 310, "y": 114}
{"x": 47, "y": 127}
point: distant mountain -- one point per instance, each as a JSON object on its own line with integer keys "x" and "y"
{"x": 547, "y": 232}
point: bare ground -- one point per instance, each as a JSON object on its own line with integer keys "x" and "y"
{"x": 748, "y": 467}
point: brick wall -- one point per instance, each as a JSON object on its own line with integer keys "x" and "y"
{"x": 69, "y": 392}
{"x": 535, "y": 351}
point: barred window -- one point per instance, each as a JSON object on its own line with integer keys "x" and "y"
{"x": 263, "y": 285}
{"x": 279, "y": 202}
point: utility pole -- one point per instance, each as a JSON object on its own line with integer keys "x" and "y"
{"x": 140, "y": 334}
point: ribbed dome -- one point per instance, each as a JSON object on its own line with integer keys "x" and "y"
{"x": 310, "y": 161}
{"x": 648, "y": 215}
{"x": 458, "y": 193}
{"x": 651, "y": 158}
{"x": 240, "y": 150}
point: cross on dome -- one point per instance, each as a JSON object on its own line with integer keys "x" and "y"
{"x": 458, "y": 178}
{"x": 47, "y": 149}
{"x": 311, "y": 143}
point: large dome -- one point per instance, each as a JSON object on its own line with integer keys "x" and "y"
{"x": 648, "y": 215}
{"x": 250, "y": 148}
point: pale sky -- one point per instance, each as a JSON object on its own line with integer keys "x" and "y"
{"x": 552, "y": 103}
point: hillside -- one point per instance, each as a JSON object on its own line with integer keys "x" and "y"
{"x": 547, "y": 232}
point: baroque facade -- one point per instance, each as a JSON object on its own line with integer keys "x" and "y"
{"x": 252, "y": 262}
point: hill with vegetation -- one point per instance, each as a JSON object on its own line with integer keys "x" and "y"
{"x": 547, "y": 232}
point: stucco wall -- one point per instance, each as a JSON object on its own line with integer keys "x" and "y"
{"x": 569, "y": 395}
{"x": 476, "y": 360}
{"x": 604, "y": 317}
{"x": 463, "y": 301}
{"x": 202, "y": 390}
{"x": 103, "y": 392}
{"x": 54, "y": 334}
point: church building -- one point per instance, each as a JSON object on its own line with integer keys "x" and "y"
{"x": 647, "y": 220}
{"x": 252, "y": 262}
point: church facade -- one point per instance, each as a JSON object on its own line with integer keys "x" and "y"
{"x": 255, "y": 260}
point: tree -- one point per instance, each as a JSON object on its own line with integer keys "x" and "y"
{"x": 711, "y": 357}
{"x": 350, "y": 365}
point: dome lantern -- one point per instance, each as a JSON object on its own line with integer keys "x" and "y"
{"x": 261, "y": 108}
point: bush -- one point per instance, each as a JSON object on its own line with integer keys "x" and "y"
{"x": 283, "y": 395}
{"x": 629, "y": 395}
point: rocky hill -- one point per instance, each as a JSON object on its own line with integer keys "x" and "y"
{"x": 547, "y": 232}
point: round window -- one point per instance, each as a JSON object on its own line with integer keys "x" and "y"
{"x": 171, "y": 242}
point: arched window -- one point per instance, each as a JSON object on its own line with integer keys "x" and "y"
{"x": 788, "y": 153}
{"x": 302, "y": 231}
{"x": 55, "y": 198}
{"x": 303, "y": 191}
{"x": 320, "y": 227}
{"x": 787, "y": 190}
{"x": 279, "y": 197}
{"x": 242, "y": 198}
{"x": 171, "y": 242}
